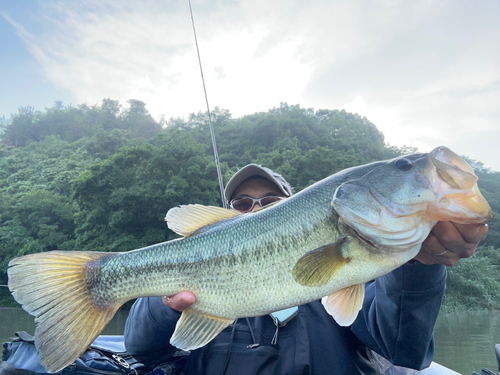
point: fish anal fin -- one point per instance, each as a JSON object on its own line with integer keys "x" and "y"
{"x": 194, "y": 329}
{"x": 345, "y": 304}
{"x": 318, "y": 266}
{"x": 52, "y": 287}
{"x": 185, "y": 220}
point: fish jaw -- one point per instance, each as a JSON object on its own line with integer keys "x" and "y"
{"x": 455, "y": 183}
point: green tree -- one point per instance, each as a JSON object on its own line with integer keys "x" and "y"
{"x": 138, "y": 119}
{"x": 123, "y": 200}
{"x": 22, "y": 129}
{"x": 102, "y": 177}
{"x": 489, "y": 184}
{"x": 474, "y": 283}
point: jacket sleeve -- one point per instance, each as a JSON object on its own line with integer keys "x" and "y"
{"x": 148, "y": 329}
{"x": 399, "y": 313}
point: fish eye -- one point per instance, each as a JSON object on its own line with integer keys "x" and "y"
{"x": 403, "y": 164}
{"x": 339, "y": 193}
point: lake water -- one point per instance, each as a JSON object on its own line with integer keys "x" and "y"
{"x": 465, "y": 341}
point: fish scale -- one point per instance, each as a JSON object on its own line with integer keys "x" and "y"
{"x": 198, "y": 263}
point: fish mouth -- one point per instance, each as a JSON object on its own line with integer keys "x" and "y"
{"x": 461, "y": 200}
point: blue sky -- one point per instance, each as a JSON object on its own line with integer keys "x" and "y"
{"x": 22, "y": 77}
{"x": 426, "y": 73}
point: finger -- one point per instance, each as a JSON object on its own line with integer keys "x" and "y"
{"x": 432, "y": 245}
{"x": 449, "y": 242}
{"x": 445, "y": 259}
{"x": 180, "y": 301}
{"x": 433, "y": 252}
{"x": 472, "y": 233}
{"x": 450, "y": 238}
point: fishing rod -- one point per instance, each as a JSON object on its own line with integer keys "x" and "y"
{"x": 221, "y": 183}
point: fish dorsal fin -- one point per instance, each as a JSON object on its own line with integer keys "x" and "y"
{"x": 185, "y": 220}
{"x": 194, "y": 329}
{"x": 345, "y": 304}
{"x": 318, "y": 266}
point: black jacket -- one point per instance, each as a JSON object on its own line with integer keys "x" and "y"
{"x": 396, "y": 321}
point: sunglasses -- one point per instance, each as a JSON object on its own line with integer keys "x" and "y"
{"x": 246, "y": 204}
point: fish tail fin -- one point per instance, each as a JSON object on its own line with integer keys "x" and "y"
{"x": 53, "y": 288}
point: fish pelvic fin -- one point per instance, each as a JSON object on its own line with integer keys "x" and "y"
{"x": 194, "y": 329}
{"x": 52, "y": 287}
{"x": 185, "y": 220}
{"x": 345, "y": 304}
{"x": 318, "y": 266}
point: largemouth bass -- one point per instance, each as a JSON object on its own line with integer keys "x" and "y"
{"x": 325, "y": 242}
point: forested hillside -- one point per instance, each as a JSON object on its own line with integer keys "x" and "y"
{"x": 103, "y": 177}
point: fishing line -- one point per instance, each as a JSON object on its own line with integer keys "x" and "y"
{"x": 221, "y": 184}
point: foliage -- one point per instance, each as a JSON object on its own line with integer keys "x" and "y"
{"x": 302, "y": 144}
{"x": 122, "y": 201}
{"x": 489, "y": 184}
{"x": 102, "y": 177}
{"x": 73, "y": 123}
{"x": 474, "y": 283}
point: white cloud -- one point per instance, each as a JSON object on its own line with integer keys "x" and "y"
{"x": 426, "y": 72}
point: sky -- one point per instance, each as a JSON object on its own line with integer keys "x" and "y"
{"x": 426, "y": 72}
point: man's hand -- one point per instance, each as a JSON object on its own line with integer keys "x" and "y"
{"x": 449, "y": 242}
{"x": 180, "y": 301}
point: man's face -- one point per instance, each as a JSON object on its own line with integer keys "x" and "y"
{"x": 257, "y": 187}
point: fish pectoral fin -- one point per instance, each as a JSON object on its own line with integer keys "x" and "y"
{"x": 318, "y": 266}
{"x": 185, "y": 220}
{"x": 345, "y": 304}
{"x": 195, "y": 329}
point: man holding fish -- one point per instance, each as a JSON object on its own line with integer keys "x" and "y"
{"x": 396, "y": 321}
{"x": 319, "y": 249}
